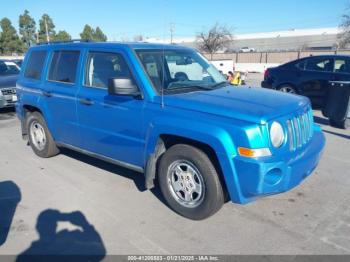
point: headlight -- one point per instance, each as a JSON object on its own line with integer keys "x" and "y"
{"x": 276, "y": 134}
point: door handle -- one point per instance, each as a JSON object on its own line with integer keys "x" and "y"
{"x": 86, "y": 101}
{"x": 47, "y": 94}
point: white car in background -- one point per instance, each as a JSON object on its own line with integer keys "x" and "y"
{"x": 247, "y": 50}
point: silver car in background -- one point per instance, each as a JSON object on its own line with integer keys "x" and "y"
{"x": 9, "y": 72}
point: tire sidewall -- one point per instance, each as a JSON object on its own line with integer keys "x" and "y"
{"x": 345, "y": 124}
{"x": 213, "y": 193}
{"x": 289, "y": 86}
{"x": 38, "y": 118}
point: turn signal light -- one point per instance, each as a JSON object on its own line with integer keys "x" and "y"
{"x": 248, "y": 152}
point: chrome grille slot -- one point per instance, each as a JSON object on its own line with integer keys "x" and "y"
{"x": 297, "y": 131}
{"x": 8, "y": 91}
{"x": 300, "y": 130}
{"x": 290, "y": 135}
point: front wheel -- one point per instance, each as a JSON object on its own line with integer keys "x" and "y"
{"x": 190, "y": 183}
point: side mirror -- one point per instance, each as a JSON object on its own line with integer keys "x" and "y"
{"x": 122, "y": 87}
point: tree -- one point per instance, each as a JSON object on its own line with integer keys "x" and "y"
{"x": 344, "y": 36}
{"x": 88, "y": 33}
{"x": 138, "y": 38}
{"x": 91, "y": 34}
{"x": 218, "y": 37}
{"x": 99, "y": 35}
{"x": 9, "y": 40}
{"x": 62, "y": 36}
{"x": 27, "y": 29}
{"x": 46, "y": 25}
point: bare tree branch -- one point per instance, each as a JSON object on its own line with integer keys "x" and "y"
{"x": 344, "y": 36}
{"x": 218, "y": 37}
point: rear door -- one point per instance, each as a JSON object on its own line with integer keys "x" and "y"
{"x": 111, "y": 125}
{"x": 315, "y": 78}
{"x": 60, "y": 90}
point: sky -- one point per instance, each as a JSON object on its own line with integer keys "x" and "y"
{"x": 123, "y": 19}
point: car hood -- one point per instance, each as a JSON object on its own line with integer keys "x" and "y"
{"x": 255, "y": 105}
{"x": 8, "y": 81}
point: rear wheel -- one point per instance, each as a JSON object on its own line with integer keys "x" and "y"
{"x": 287, "y": 89}
{"x": 189, "y": 182}
{"x": 345, "y": 124}
{"x": 40, "y": 138}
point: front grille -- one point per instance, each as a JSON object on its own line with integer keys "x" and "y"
{"x": 8, "y": 91}
{"x": 300, "y": 130}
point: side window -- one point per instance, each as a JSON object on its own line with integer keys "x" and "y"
{"x": 102, "y": 66}
{"x": 63, "y": 66}
{"x": 341, "y": 66}
{"x": 301, "y": 65}
{"x": 152, "y": 64}
{"x": 319, "y": 64}
{"x": 184, "y": 68}
{"x": 35, "y": 64}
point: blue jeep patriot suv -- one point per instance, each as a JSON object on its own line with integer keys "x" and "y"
{"x": 164, "y": 111}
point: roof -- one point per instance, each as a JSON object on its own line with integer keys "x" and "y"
{"x": 133, "y": 45}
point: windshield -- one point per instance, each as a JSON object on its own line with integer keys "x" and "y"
{"x": 8, "y": 68}
{"x": 179, "y": 70}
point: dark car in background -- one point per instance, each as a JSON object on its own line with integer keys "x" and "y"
{"x": 309, "y": 76}
{"x": 9, "y": 72}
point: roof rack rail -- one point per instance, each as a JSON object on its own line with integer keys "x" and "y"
{"x": 67, "y": 41}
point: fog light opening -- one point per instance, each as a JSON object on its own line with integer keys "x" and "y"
{"x": 273, "y": 177}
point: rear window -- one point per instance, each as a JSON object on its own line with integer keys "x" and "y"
{"x": 35, "y": 64}
{"x": 63, "y": 66}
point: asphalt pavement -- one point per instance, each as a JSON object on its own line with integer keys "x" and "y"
{"x": 114, "y": 211}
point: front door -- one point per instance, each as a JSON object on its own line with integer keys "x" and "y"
{"x": 111, "y": 125}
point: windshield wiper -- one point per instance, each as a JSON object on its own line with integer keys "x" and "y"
{"x": 190, "y": 87}
{"x": 220, "y": 84}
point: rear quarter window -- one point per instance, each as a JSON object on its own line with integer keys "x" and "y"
{"x": 300, "y": 65}
{"x": 35, "y": 64}
{"x": 63, "y": 67}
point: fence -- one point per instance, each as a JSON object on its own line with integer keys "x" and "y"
{"x": 272, "y": 57}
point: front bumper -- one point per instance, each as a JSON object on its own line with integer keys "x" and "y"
{"x": 273, "y": 175}
{"x": 7, "y": 100}
{"x": 6, "y": 103}
{"x": 266, "y": 84}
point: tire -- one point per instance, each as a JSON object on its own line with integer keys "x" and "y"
{"x": 196, "y": 169}
{"x": 40, "y": 138}
{"x": 287, "y": 89}
{"x": 345, "y": 124}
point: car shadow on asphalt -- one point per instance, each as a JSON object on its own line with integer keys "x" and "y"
{"x": 83, "y": 243}
{"x": 112, "y": 168}
{"x": 336, "y": 134}
{"x": 138, "y": 178}
{"x": 321, "y": 120}
{"x": 10, "y": 196}
{"x": 325, "y": 121}
{"x": 7, "y": 113}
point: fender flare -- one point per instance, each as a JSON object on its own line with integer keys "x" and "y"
{"x": 215, "y": 137}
